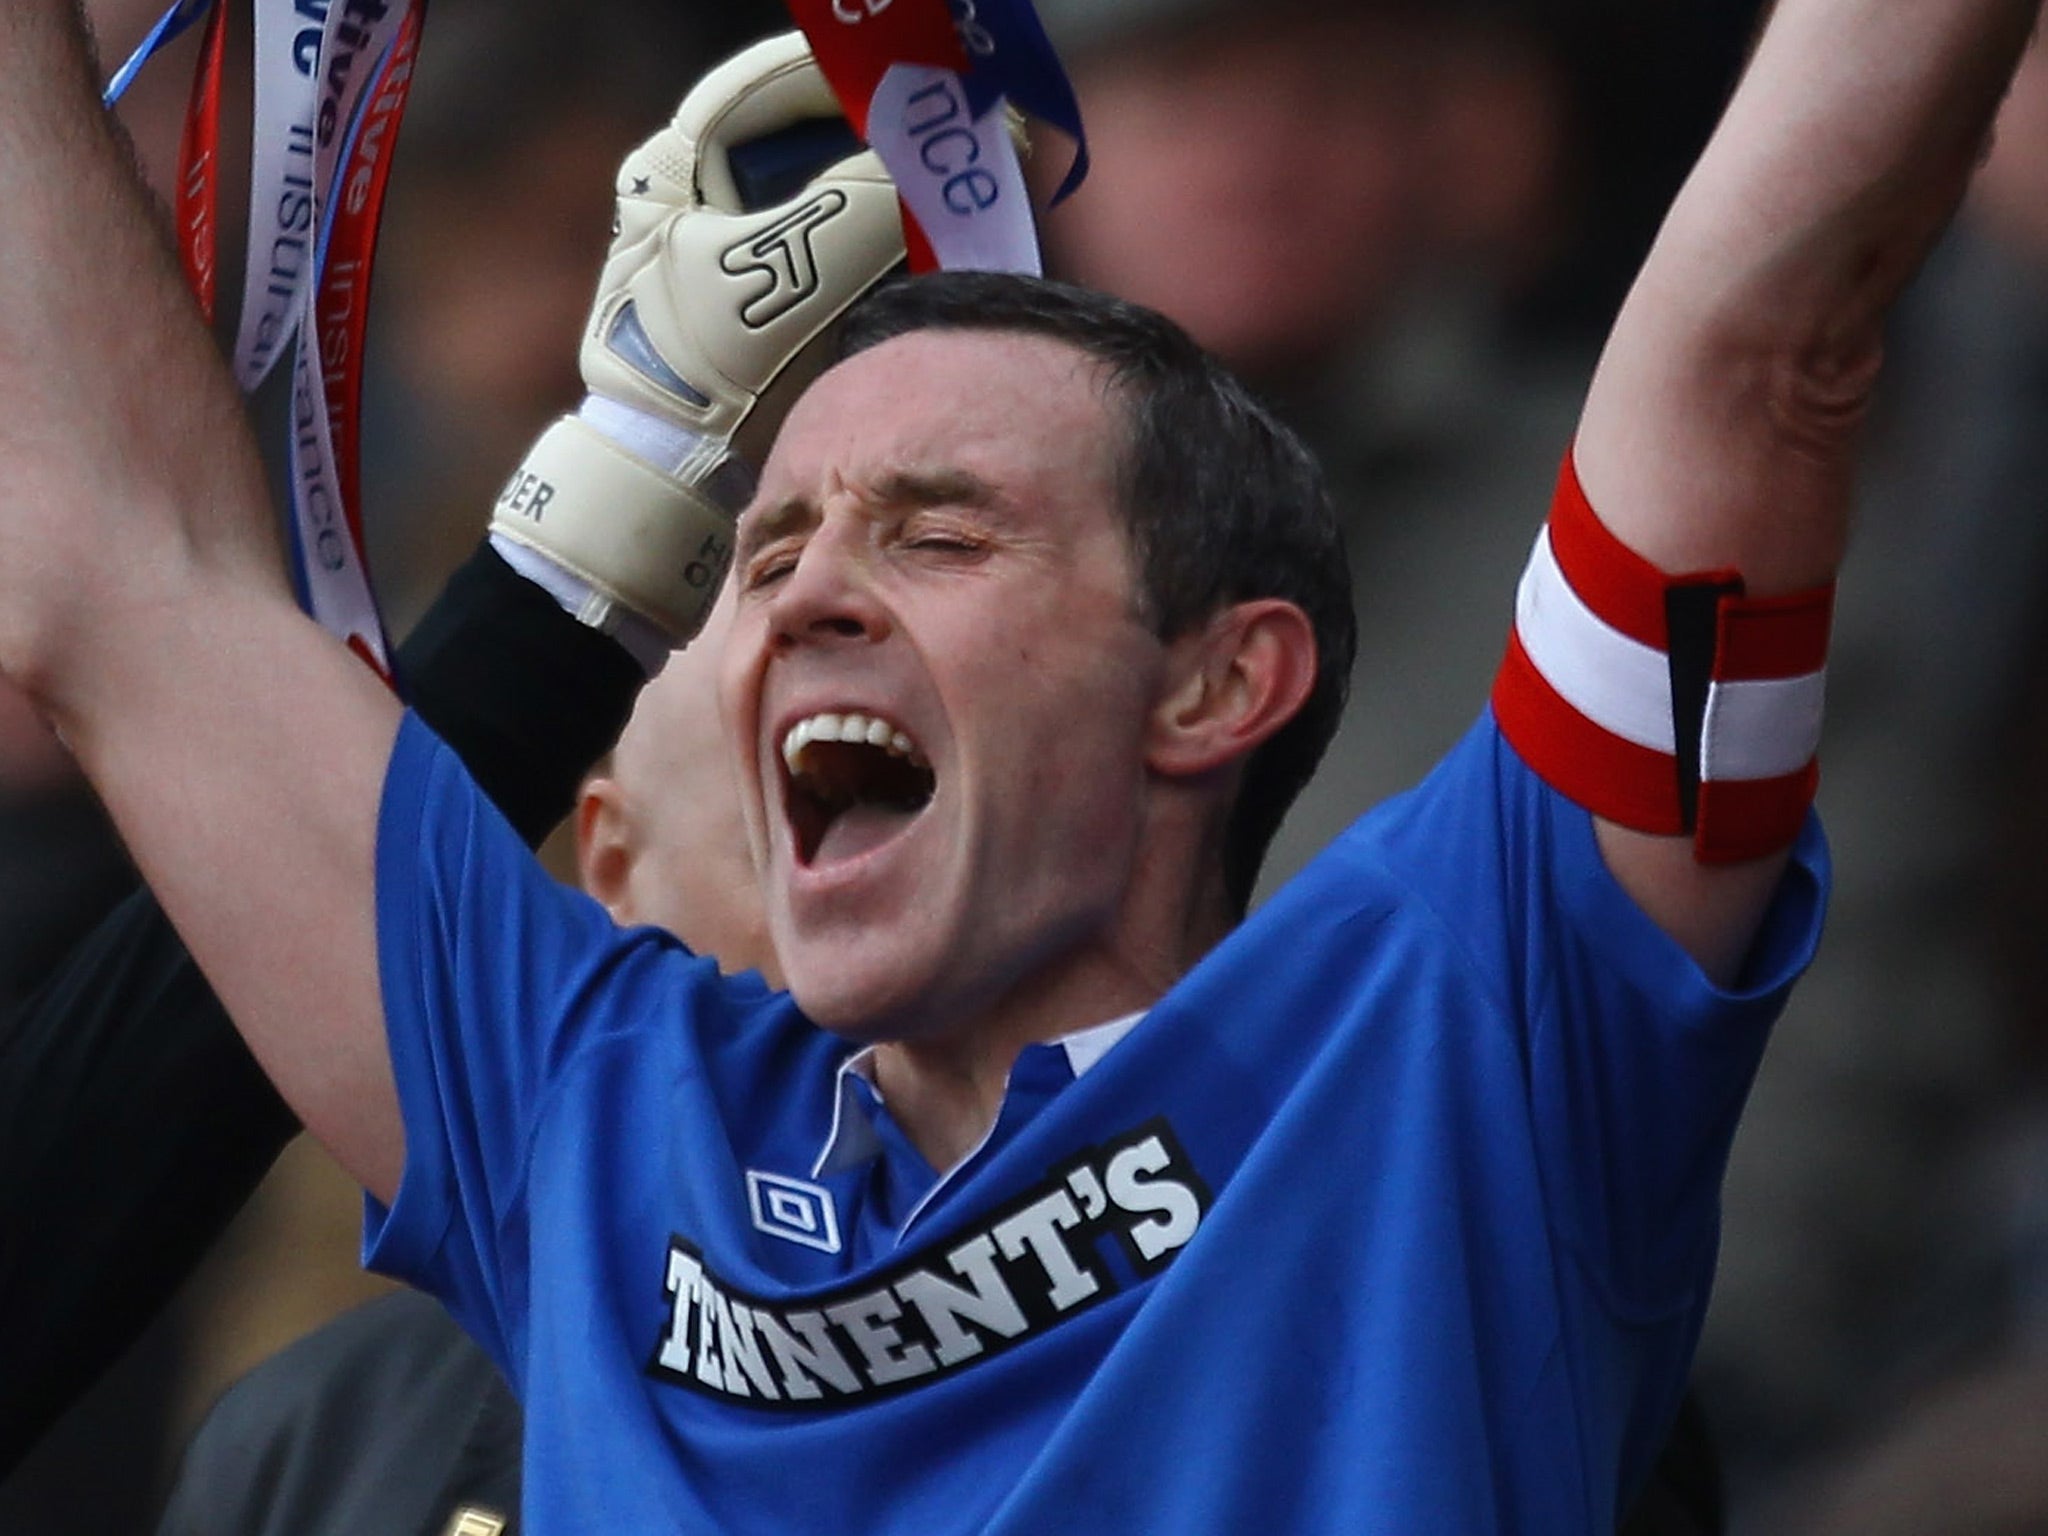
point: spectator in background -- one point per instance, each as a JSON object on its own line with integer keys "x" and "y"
{"x": 1318, "y": 156}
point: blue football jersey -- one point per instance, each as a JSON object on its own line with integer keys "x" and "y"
{"x": 1396, "y": 1214}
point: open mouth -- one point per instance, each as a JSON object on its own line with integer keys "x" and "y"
{"x": 853, "y": 782}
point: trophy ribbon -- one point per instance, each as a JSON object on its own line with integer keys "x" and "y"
{"x": 927, "y": 83}
{"x": 328, "y": 92}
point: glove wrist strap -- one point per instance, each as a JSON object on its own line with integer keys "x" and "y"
{"x": 710, "y": 463}
{"x": 636, "y": 535}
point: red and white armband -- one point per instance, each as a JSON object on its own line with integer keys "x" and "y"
{"x": 1670, "y": 704}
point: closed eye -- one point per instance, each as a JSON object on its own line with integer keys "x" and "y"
{"x": 768, "y": 567}
{"x": 947, "y": 543}
{"x": 947, "y": 534}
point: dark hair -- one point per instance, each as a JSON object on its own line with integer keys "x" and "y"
{"x": 1222, "y": 503}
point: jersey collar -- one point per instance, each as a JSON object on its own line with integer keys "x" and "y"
{"x": 853, "y": 1139}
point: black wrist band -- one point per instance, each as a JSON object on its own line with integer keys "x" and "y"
{"x": 527, "y": 697}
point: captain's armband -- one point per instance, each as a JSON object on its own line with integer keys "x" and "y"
{"x": 1670, "y": 704}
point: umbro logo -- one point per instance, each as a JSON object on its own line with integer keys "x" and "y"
{"x": 793, "y": 1210}
{"x": 782, "y": 253}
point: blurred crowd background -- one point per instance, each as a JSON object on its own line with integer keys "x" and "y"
{"x": 1408, "y": 222}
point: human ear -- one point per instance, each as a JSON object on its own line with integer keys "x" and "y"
{"x": 606, "y": 849}
{"x": 1234, "y": 682}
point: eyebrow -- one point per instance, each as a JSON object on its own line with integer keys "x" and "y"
{"x": 935, "y": 488}
{"x": 770, "y": 524}
{"x": 898, "y": 489}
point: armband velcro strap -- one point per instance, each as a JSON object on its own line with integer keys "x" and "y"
{"x": 1670, "y": 704}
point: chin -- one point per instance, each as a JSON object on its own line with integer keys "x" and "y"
{"x": 852, "y": 996}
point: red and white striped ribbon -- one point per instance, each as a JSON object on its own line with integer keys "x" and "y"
{"x": 330, "y": 84}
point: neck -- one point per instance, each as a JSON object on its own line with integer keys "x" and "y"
{"x": 945, "y": 1100}
{"x": 945, "y": 1086}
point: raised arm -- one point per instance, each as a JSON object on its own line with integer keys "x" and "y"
{"x": 143, "y": 607}
{"x": 133, "y": 1123}
{"x": 1722, "y": 424}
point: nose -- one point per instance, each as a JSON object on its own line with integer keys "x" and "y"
{"x": 828, "y": 596}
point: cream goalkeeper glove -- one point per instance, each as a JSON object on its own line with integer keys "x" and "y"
{"x": 730, "y": 259}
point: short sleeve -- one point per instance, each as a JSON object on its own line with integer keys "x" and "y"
{"x": 1636, "y": 1065}
{"x": 491, "y": 975}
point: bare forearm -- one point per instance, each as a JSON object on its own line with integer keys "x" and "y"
{"x": 1844, "y": 153}
{"x": 1723, "y": 420}
{"x": 123, "y": 441}
{"x": 1722, "y": 426}
{"x": 143, "y": 607}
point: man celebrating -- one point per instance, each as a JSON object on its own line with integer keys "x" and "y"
{"x": 1390, "y": 1207}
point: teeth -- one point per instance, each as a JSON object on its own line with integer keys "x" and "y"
{"x": 868, "y": 729}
